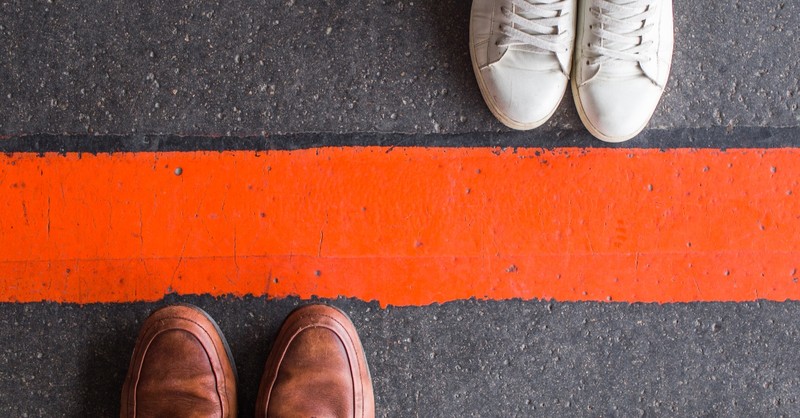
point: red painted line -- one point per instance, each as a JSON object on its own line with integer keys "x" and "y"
{"x": 404, "y": 226}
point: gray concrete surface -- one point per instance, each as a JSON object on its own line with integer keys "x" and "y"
{"x": 462, "y": 359}
{"x": 252, "y": 67}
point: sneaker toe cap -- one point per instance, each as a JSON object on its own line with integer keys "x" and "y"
{"x": 616, "y": 111}
{"x": 521, "y": 98}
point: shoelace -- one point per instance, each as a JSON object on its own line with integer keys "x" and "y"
{"x": 621, "y": 27}
{"x": 535, "y": 27}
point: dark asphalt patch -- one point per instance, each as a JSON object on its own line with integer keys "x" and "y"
{"x": 469, "y": 358}
{"x": 719, "y": 138}
{"x": 257, "y": 67}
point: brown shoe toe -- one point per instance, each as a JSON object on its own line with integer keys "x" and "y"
{"x": 181, "y": 367}
{"x": 316, "y": 368}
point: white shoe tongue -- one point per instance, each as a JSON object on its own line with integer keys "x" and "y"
{"x": 621, "y": 69}
{"x": 521, "y": 58}
{"x": 539, "y": 60}
{"x": 545, "y": 13}
{"x": 618, "y": 67}
{"x": 627, "y": 2}
{"x": 533, "y": 16}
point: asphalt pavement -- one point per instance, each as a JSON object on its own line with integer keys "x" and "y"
{"x": 468, "y": 358}
{"x": 92, "y": 76}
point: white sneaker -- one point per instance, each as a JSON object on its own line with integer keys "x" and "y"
{"x": 521, "y": 53}
{"x": 622, "y": 60}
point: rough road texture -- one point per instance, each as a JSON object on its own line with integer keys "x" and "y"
{"x": 478, "y": 359}
{"x": 249, "y": 67}
{"x": 116, "y": 75}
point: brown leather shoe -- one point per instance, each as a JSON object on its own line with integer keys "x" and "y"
{"x": 181, "y": 366}
{"x": 316, "y": 368}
